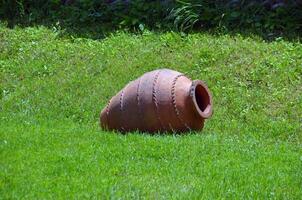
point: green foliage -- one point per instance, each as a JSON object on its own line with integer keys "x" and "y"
{"x": 179, "y": 15}
{"x": 185, "y": 17}
{"x": 53, "y": 88}
{"x": 109, "y": 13}
{"x": 237, "y": 15}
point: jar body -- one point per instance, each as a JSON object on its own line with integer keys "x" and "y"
{"x": 158, "y": 101}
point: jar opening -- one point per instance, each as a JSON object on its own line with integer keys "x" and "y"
{"x": 202, "y": 98}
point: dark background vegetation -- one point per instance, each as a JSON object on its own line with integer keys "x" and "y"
{"x": 265, "y": 17}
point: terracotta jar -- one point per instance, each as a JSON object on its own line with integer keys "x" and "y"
{"x": 160, "y": 100}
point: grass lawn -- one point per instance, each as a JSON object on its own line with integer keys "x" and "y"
{"x": 52, "y": 88}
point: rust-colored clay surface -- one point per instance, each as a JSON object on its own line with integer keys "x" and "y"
{"x": 160, "y": 100}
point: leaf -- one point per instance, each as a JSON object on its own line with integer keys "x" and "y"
{"x": 235, "y": 14}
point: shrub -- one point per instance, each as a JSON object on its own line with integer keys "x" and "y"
{"x": 265, "y": 16}
{"x": 260, "y": 15}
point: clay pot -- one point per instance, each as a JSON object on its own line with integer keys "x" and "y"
{"x": 160, "y": 100}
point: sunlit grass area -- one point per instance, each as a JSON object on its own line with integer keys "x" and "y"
{"x": 53, "y": 87}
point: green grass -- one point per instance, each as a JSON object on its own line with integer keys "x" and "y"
{"x": 52, "y": 89}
